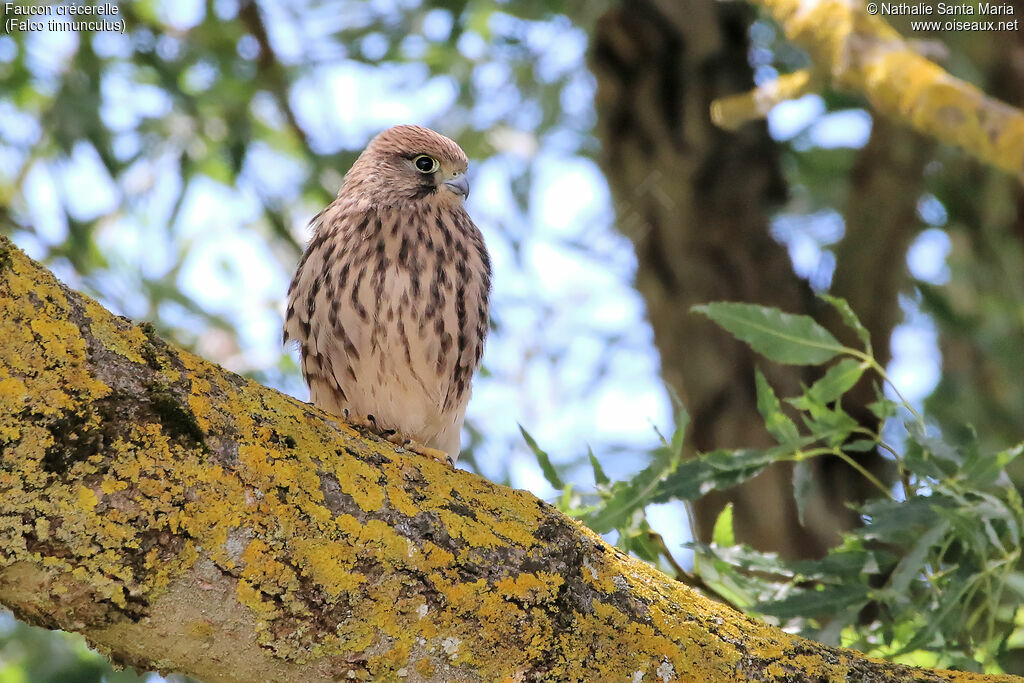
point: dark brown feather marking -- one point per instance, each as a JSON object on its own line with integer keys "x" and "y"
{"x": 356, "y": 304}
{"x": 403, "y": 251}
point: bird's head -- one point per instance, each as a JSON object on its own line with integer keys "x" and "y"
{"x": 409, "y": 164}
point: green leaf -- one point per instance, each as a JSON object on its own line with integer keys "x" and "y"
{"x": 690, "y": 481}
{"x": 628, "y": 497}
{"x": 845, "y": 564}
{"x": 744, "y": 558}
{"x": 900, "y": 522}
{"x": 982, "y": 471}
{"x": 776, "y": 422}
{"x": 834, "y": 425}
{"x": 600, "y": 478}
{"x": 884, "y": 409}
{"x": 721, "y": 469}
{"x": 723, "y": 535}
{"x": 550, "y": 473}
{"x": 640, "y": 540}
{"x": 850, "y": 318}
{"x": 1015, "y": 582}
{"x": 682, "y": 422}
{"x": 731, "y": 468}
{"x": 782, "y": 337}
{"x": 913, "y": 563}
{"x": 737, "y": 588}
{"x": 839, "y": 379}
{"x": 809, "y": 603}
{"x": 831, "y": 634}
{"x": 803, "y": 487}
{"x": 919, "y": 461}
{"x": 928, "y": 454}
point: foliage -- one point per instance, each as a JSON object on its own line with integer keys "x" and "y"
{"x": 227, "y": 119}
{"x": 931, "y": 577}
{"x": 34, "y": 655}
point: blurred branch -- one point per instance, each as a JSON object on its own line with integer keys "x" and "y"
{"x": 183, "y": 518}
{"x": 863, "y": 53}
{"x": 733, "y": 111}
{"x": 272, "y": 73}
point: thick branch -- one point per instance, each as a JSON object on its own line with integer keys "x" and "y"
{"x": 863, "y": 53}
{"x": 186, "y": 519}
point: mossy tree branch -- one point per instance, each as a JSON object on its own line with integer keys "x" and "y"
{"x": 186, "y": 519}
{"x": 862, "y": 53}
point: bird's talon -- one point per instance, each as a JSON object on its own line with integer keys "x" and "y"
{"x": 408, "y": 444}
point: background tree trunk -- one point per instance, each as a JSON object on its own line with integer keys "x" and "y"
{"x": 696, "y": 201}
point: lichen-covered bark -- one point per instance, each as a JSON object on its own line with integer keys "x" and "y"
{"x": 186, "y": 519}
{"x": 863, "y": 53}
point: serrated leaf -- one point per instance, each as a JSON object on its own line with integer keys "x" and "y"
{"x": 782, "y": 337}
{"x": 736, "y": 588}
{"x": 640, "y": 540}
{"x": 844, "y": 566}
{"x": 686, "y": 483}
{"x": 627, "y": 497}
{"x": 776, "y": 422}
{"x": 951, "y": 602}
{"x": 913, "y": 562}
{"x": 718, "y": 470}
{"x": 550, "y": 473}
{"x": 803, "y": 487}
{"x": 839, "y": 379}
{"x": 731, "y": 468}
{"x": 722, "y": 535}
{"x": 600, "y": 478}
{"x": 850, "y": 318}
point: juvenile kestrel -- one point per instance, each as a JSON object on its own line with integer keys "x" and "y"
{"x": 389, "y": 303}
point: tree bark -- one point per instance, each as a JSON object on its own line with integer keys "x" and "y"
{"x": 695, "y": 201}
{"x": 185, "y": 519}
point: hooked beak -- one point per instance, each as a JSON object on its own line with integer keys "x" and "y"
{"x": 459, "y": 184}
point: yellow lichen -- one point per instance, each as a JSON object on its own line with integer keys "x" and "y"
{"x": 87, "y": 498}
{"x": 125, "y": 340}
{"x": 243, "y": 523}
{"x": 329, "y": 564}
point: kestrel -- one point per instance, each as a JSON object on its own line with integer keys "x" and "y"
{"x": 390, "y": 300}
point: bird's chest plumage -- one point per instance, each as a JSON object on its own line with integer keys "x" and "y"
{"x": 425, "y": 302}
{"x": 395, "y": 325}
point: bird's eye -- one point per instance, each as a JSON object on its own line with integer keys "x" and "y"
{"x": 425, "y": 164}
